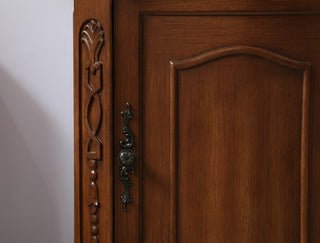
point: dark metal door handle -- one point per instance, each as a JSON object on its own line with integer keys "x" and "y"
{"x": 126, "y": 156}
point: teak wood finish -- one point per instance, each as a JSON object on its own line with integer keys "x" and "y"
{"x": 225, "y": 97}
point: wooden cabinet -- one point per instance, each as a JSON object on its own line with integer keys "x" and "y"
{"x": 221, "y": 137}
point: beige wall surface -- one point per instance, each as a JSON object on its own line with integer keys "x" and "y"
{"x": 36, "y": 121}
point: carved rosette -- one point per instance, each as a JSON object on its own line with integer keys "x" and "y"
{"x": 92, "y": 41}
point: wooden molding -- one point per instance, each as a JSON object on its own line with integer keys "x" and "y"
{"x": 238, "y": 50}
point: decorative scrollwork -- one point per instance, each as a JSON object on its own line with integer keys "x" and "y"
{"x": 92, "y": 39}
{"x": 128, "y": 142}
{"x": 126, "y": 156}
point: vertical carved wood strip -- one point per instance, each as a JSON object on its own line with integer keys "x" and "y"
{"x": 92, "y": 41}
{"x": 93, "y": 120}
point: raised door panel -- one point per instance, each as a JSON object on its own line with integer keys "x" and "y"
{"x": 239, "y": 121}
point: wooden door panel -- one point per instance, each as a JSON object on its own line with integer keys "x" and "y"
{"x": 236, "y": 159}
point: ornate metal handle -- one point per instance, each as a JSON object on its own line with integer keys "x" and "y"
{"x": 126, "y": 156}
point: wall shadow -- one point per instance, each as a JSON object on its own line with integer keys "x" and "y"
{"x": 29, "y": 207}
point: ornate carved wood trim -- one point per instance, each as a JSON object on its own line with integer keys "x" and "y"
{"x": 92, "y": 41}
{"x": 93, "y": 121}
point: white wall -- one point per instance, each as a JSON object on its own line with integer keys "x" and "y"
{"x": 36, "y": 121}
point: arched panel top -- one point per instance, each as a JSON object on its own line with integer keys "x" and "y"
{"x": 239, "y": 50}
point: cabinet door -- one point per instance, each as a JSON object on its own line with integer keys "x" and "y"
{"x": 220, "y": 136}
